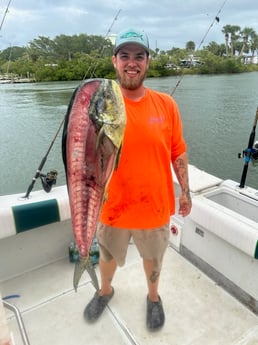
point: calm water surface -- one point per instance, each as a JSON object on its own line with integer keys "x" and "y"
{"x": 217, "y": 112}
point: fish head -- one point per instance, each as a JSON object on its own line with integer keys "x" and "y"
{"x": 107, "y": 111}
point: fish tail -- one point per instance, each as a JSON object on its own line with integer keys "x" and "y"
{"x": 82, "y": 265}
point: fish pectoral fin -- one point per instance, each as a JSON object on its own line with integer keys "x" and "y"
{"x": 80, "y": 266}
{"x": 100, "y": 138}
{"x": 104, "y": 144}
{"x": 106, "y": 152}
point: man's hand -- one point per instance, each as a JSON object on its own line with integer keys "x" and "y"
{"x": 185, "y": 204}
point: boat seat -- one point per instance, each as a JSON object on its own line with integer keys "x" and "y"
{"x": 18, "y": 214}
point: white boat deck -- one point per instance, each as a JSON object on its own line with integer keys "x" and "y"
{"x": 198, "y": 312}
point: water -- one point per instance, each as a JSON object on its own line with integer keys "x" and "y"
{"x": 217, "y": 112}
{"x": 30, "y": 116}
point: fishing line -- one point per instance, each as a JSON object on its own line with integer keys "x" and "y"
{"x": 6, "y": 11}
{"x": 216, "y": 19}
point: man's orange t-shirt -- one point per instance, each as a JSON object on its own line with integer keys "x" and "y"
{"x": 140, "y": 194}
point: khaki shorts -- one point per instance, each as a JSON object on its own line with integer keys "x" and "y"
{"x": 151, "y": 243}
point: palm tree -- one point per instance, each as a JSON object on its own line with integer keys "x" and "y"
{"x": 225, "y": 31}
{"x": 233, "y": 31}
{"x": 246, "y": 33}
{"x": 254, "y": 43}
{"x": 216, "y": 49}
{"x": 190, "y": 45}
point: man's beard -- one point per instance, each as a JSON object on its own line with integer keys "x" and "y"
{"x": 130, "y": 83}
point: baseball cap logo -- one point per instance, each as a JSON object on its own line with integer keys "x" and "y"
{"x": 131, "y": 34}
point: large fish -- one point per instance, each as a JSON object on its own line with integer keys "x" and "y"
{"x": 91, "y": 144}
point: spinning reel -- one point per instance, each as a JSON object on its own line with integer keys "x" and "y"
{"x": 48, "y": 180}
{"x": 250, "y": 154}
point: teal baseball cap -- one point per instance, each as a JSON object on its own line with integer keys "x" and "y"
{"x": 131, "y": 36}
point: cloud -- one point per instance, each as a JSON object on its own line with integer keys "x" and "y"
{"x": 167, "y": 23}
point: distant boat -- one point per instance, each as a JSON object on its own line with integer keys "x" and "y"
{"x": 5, "y": 81}
{"x": 16, "y": 80}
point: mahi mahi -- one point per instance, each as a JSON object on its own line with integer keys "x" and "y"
{"x": 91, "y": 145}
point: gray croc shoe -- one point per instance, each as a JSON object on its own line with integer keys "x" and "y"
{"x": 155, "y": 315}
{"x": 96, "y": 306}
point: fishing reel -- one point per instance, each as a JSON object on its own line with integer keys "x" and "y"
{"x": 48, "y": 180}
{"x": 254, "y": 156}
{"x": 251, "y": 154}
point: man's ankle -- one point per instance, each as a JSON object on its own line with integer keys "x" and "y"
{"x": 105, "y": 291}
{"x": 154, "y": 297}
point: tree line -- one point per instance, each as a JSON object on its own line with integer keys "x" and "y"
{"x": 85, "y": 56}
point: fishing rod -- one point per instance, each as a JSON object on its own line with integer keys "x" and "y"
{"x": 5, "y": 13}
{"x": 102, "y": 49}
{"x": 250, "y": 152}
{"x": 50, "y": 179}
{"x": 216, "y": 19}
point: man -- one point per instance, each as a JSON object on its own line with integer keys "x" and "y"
{"x": 140, "y": 193}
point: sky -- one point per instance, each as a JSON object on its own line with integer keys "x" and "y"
{"x": 168, "y": 23}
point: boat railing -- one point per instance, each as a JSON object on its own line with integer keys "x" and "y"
{"x": 19, "y": 319}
